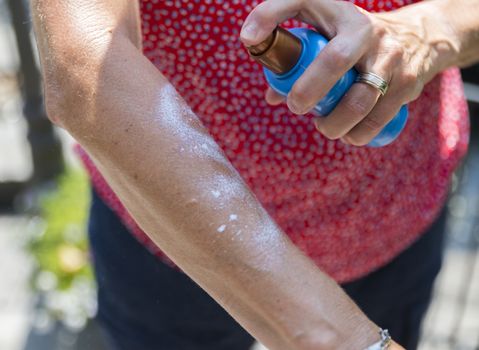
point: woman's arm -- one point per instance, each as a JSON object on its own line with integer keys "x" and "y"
{"x": 177, "y": 183}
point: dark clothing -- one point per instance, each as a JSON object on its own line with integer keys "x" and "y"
{"x": 396, "y": 296}
{"x": 146, "y": 305}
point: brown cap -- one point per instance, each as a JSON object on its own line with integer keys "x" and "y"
{"x": 279, "y": 52}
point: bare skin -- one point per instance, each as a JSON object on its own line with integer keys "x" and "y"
{"x": 162, "y": 163}
{"x": 406, "y": 47}
{"x": 102, "y": 90}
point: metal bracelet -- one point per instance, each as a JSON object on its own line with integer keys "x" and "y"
{"x": 384, "y": 343}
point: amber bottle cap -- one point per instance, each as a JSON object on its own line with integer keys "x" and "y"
{"x": 279, "y": 52}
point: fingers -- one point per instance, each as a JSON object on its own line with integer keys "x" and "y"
{"x": 273, "y": 98}
{"x": 334, "y": 60}
{"x": 358, "y": 102}
{"x": 357, "y": 39}
{"x": 384, "y": 111}
{"x": 387, "y": 106}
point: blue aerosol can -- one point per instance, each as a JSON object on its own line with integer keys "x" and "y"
{"x": 286, "y": 54}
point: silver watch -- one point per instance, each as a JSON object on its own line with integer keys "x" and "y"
{"x": 384, "y": 343}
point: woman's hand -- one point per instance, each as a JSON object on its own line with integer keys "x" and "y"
{"x": 404, "y": 47}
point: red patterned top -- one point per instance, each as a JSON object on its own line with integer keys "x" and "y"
{"x": 351, "y": 209}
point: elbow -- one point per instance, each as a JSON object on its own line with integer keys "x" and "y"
{"x": 75, "y": 43}
{"x": 56, "y": 97}
{"x": 77, "y": 79}
{"x": 68, "y": 91}
{"x": 72, "y": 71}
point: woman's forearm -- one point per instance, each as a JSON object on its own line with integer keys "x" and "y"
{"x": 183, "y": 192}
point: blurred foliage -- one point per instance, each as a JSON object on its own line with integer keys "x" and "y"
{"x": 62, "y": 247}
{"x": 63, "y": 276}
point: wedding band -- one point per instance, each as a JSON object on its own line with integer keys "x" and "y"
{"x": 373, "y": 80}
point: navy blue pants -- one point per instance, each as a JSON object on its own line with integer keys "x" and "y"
{"x": 146, "y": 305}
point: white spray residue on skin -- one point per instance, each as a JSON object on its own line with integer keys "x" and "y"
{"x": 261, "y": 232}
{"x": 223, "y": 188}
{"x": 232, "y": 217}
{"x": 177, "y": 116}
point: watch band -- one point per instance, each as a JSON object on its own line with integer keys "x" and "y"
{"x": 384, "y": 343}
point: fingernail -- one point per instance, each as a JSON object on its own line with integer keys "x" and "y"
{"x": 249, "y": 31}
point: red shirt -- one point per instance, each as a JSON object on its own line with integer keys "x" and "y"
{"x": 351, "y": 209}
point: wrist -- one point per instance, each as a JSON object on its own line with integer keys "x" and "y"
{"x": 444, "y": 38}
{"x": 341, "y": 337}
{"x": 396, "y": 346}
{"x": 427, "y": 34}
{"x": 308, "y": 308}
{"x": 437, "y": 32}
{"x": 324, "y": 317}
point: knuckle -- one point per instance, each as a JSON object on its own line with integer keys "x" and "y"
{"x": 393, "y": 57}
{"x": 353, "y": 11}
{"x": 396, "y": 52}
{"x": 357, "y": 107}
{"x": 378, "y": 30}
{"x": 366, "y": 28}
{"x": 262, "y": 11}
{"x": 407, "y": 86}
{"x": 391, "y": 51}
{"x": 372, "y": 124}
{"x": 408, "y": 80}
